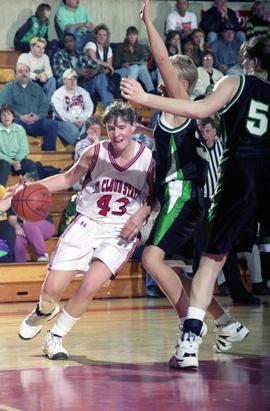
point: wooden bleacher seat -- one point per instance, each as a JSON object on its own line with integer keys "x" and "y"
{"x": 35, "y": 144}
{"x": 8, "y": 58}
{"x": 60, "y": 160}
{"x": 8, "y": 61}
{"x": 22, "y": 282}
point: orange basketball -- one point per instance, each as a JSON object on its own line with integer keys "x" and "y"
{"x": 32, "y": 203}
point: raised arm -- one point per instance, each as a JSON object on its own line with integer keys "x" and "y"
{"x": 223, "y": 92}
{"x": 174, "y": 87}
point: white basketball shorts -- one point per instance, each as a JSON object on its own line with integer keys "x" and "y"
{"x": 85, "y": 240}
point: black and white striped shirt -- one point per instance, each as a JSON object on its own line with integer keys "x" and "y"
{"x": 215, "y": 154}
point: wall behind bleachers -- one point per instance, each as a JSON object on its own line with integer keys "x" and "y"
{"x": 117, "y": 14}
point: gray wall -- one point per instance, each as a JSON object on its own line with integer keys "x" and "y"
{"x": 117, "y": 14}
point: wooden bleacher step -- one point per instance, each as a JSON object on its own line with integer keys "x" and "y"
{"x": 22, "y": 282}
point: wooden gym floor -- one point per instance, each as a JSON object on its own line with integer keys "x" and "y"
{"x": 119, "y": 352}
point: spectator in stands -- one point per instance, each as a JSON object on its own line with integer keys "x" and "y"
{"x": 196, "y": 46}
{"x": 7, "y": 232}
{"x": 129, "y": 59}
{"x": 7, "y": 236}
{"x": 92, "y": 135}
{"x": 72, "y": 17}
{"x": 226, "y": 48}
{"x": 35, "y": 26}
{"x": 39, "y": 64}
{"x": 207, "y": 74}
{"x": 72, "y": 106}
{"x": 237, "y": 69}
{"x": 173, "y": 42}
{"x": 30, "y": 106}
{"x": 14, "y": 147}
{"x": 91, "y": 75}
{"x": 34, "y": 233}
{"x": 257, "y": 25}
{"x": 100, "y": 51}
{"x": 181, "y": 19}
{"x": 213, "y": 21}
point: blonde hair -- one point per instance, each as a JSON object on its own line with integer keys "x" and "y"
{"x": 36, "y": 40}
{"x": 185, "y": 69}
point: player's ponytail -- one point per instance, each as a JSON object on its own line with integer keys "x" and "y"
{"x": 259, "y": 47}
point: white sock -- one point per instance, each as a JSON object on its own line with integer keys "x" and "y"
{"x": 46, "y": 307}
{"x": 63, "y": 324}
{"x": 197, "y": 313}
{"x": 223, "y": 319}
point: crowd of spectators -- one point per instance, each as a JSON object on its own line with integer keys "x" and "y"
{"x": 58, "y": 84}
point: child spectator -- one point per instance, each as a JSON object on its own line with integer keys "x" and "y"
{"x": 92, "y": 135}
{"x": 35, "y": 26}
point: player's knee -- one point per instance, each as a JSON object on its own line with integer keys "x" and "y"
{"x": 149, "y": 262}
{"x": 51, "y": 292}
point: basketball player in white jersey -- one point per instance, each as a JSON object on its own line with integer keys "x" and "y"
{"x": 111, "y": 208}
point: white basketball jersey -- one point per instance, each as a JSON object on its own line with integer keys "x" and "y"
{"x": 112, "y": 193}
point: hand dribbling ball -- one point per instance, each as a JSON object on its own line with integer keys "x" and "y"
{"x": 32, "y": 203}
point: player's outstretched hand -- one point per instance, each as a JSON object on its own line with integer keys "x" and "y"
{"x": 12, "y": 189}
{"x": 145, "y": 11}
{"x": 132, "y": 90}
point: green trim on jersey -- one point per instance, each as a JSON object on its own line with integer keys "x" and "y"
{"x": 174, "y": 200}
{"x": 174, "y": 172}
{"x": 264, "y": 240}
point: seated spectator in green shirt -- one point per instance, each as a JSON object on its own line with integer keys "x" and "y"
{"x": 73, "y": 18}
{"x": 14, "y": 147}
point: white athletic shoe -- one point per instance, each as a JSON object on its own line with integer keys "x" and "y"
{"x": 53, "y": 348}
{"x": 186, "y": 353}
{"x": 33, "y": 323}
{"x": 234, "y": 331}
